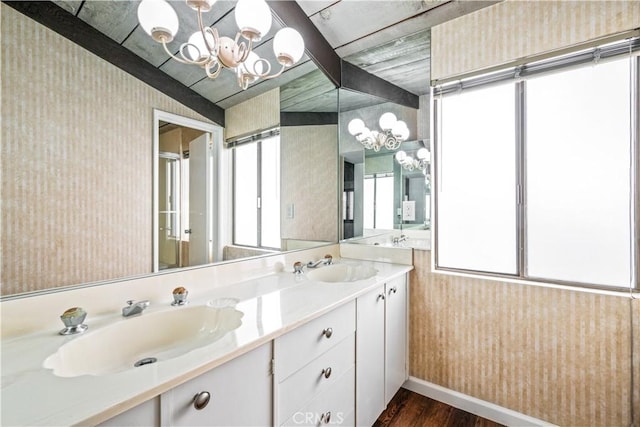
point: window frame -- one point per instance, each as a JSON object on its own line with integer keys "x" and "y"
{"x": 629, "y": 48}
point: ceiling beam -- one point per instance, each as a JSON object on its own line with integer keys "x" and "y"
{"x": 316, "y": 46}
{"x": 75, "y": 29}
{"x": 354, "y": 78}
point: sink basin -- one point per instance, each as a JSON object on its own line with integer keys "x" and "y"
{"x": 341, "y": 273}
{"x": 142, "y": 340}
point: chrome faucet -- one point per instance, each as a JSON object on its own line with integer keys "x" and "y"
{"x": 398, "y": 240}
{"x": 134, "y": 308}
{"x": 328, "y": 259}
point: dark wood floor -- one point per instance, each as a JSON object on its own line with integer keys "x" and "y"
{"x": 411, "y": 409}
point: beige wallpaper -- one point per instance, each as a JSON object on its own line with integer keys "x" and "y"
{"x": 76, "y": 162}
{"x": 557, "y": 355}
{"x": 263, "y": 111}
{"x": 309, "y": 156}
{"x": 517, "y": 29}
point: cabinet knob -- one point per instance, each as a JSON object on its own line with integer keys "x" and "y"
{"x": 326, "y": 372}
{"x": 325, "y": 418}
{"x": 380, "y": 297}
{"x": 393, "y": 290}
{"x": 327, "y": 332}
{"x": 201, "y": 400}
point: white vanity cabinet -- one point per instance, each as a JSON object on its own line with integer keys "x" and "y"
{"x": 239, "y": 394}
{"x": 381, "y": 348}
{"x": 314, "y": 371}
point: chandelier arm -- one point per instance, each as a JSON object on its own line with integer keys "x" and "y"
{"x": 184, "y": 59}
{"x": 215, "y": 65}
{"x": 243, "y": 51}
{"x": 202, "y": 30}
{"x": 216, "y": 40}
{"x": 273, "y": 75}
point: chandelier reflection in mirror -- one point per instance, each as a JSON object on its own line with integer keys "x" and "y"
{"x": 393, "y": 133}
{"x": 207, "y": 49}
{"x": 410, "y": 163}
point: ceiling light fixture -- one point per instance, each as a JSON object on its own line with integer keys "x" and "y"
{"x": 409, "y": 163}
{"x": 393, "y": 133}
{"x": 208, "y": 50}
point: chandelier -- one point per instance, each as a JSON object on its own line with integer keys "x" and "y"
{"x": 393, "y": 133}
{"x": 207, "y": 49}
{"x": 410, "y": 163}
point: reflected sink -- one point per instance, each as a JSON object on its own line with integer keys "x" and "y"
{"x": 140, "y": 340}
{"x": 341, "y": 273}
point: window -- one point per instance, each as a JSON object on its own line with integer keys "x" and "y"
{"x": 256, "y": 191}
{"x": 534, "y": 174}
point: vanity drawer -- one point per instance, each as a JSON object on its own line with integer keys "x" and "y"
{"x": 300, "y": 346}
{"x": 334, "y": 406}
{"x": 319, "y": 375}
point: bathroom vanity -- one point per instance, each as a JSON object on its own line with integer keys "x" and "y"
{"x": 306, "y": 353}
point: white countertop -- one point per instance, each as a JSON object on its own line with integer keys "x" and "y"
{"x": 272, "y": 305}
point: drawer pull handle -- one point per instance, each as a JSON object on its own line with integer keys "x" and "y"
{"x": 326, "y": 372}
{"x": 327, "y": 332}
{"x": 325, "y": 418}
{"x": 201, "y": 400}
{"x": 393, "y": 290}
{"x": 380, "y": 297}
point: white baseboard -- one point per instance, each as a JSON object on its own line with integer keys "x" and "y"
{"x": 471, "y": 404}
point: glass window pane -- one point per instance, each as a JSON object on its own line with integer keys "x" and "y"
{"x": 270, "y": 220}
{"x": 384, "y": 202}
{"x": 578, "y": 175}
{"x": 476, "y": 199}
{"x": 245, "y": 178}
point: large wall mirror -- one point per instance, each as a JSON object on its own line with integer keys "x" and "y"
{"x": 387, "y": 188}
{"x": 78, "y": 174}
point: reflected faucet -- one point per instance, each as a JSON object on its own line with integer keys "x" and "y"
{"x": 328, "y": 259}
{"x": 398, "y": 240}
{"x": 134, "y": 308}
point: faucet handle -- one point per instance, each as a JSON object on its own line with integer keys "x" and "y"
{"x": 180, "y": 296}
{"x": 297, "y": 267}
{"x": 328, "y": 259}
{"x": 72, "y": 319}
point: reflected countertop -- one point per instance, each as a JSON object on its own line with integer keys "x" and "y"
{"x": 272, "y": 305}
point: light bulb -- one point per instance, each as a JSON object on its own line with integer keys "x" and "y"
{"x": 400, "y": 156}
{"x": 158, "y": 19}
{"x": 400, "y": 130}
{"x": 253, "y": 18}
{"x": 197, "y": 48}
{"x": 356, "y": 126}
{"x": 423, "y": 154}
{"x": 387, "y": 120}
{"x": 288, "y": 46}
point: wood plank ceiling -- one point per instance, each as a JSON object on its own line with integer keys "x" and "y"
{"x": 389, "y": 39}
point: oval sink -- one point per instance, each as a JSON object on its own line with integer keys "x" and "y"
{"x": 341, "y": 273}
{"x": 142, "y": 340}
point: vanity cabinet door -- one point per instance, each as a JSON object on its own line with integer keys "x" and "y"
{"x": 146, "y": 414}
{"x": 240, "y": 394}
{"x": 370, "y": 356}
{"x": 395, "y": 336}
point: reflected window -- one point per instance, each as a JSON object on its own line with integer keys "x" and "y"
{"x": 256, "y": 192}
{"x": 378, "y": 201}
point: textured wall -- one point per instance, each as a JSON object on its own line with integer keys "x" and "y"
{"x": 76, "y": 162}
{"x": 558, "y": 355}
{"x": 516, "y": 29}
{"x": 309, "y": 156}
{"x": 253, "y": 115}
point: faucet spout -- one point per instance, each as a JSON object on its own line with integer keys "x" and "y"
{"x": 328, "y": 259}
{"x": 134, "y": 308}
